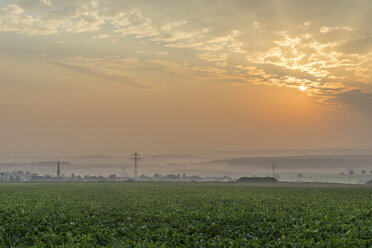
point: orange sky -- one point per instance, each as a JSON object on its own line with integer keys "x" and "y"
{"x": 111, "y": 77}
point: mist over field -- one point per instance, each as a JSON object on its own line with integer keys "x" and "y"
{"x": 293, "y": 165}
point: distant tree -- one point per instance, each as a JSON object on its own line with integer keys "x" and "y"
{"x": 342, "y": 173}
{"x": 363, "y": 172}
{"x": 300, "y": 176}
{"x": 172, "y": 177}
{"x": 194, "y": 177}
{"x": 113, "y": 176}
{"x": 156, "y": 175}
{"x": 143, "y": 177}
{"x": 351, "y": 172}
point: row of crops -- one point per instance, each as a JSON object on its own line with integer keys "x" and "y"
{"x": 134, "y": 214}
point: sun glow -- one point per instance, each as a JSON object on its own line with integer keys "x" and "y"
{"x": 302, "y": 88}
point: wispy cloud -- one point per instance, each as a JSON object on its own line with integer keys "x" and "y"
{"x": 45, "y": 18}
{"x": 90, "y": 70}
{"x": 100, "y": 36}
{"x": 236, "y": 41}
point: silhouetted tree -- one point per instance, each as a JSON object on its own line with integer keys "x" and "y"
{"x": 143, "y": 177}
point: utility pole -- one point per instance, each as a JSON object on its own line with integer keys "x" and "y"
{"x": 275, "y": 165}
{"x": 136, "y": 157}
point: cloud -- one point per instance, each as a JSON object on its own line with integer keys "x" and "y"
{"x": 45, "y": 18}
{"x": 11, "y": 9}
{"x": 359, "y": 45}
{"x": 101, "y": 36}
{"x": 133, "y": 23}
{"x": 162, "y": 53}
{"x": 324, "y": 45}
{"x": 358, "y": 98}
{"x": 92, "y": 71}
{"x": 142, "y": 72}
{"x": 219, "y": 59}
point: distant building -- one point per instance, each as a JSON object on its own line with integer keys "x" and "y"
{"x": 58, "y": 170}
{"x": 257, "y": 180}
{"x": 36, "y": 177}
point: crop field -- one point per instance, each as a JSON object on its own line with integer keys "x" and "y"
{"x": 135, "y": 214}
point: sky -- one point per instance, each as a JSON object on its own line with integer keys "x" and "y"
{"x": 166, "y": 76}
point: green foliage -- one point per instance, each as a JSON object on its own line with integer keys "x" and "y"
{"x": 136, "y": 214}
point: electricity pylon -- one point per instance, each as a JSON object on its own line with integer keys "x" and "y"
{"x": 275, "y": 166}
{"x": 136, "y": 157}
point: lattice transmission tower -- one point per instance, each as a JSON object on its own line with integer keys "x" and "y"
{"x": 275, "y": 166}
{"x": 136, "y": 157}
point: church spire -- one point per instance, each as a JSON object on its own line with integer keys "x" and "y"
{"x": 58, "y": 170}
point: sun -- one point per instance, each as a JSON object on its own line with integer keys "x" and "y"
{"x": 302, "y": 88}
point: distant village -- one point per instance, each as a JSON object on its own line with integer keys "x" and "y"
{"x": 26, "y": 176}
{"x": 21, "y": 176}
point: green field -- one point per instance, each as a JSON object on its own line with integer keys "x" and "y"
{"x": 134, "y": 214}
